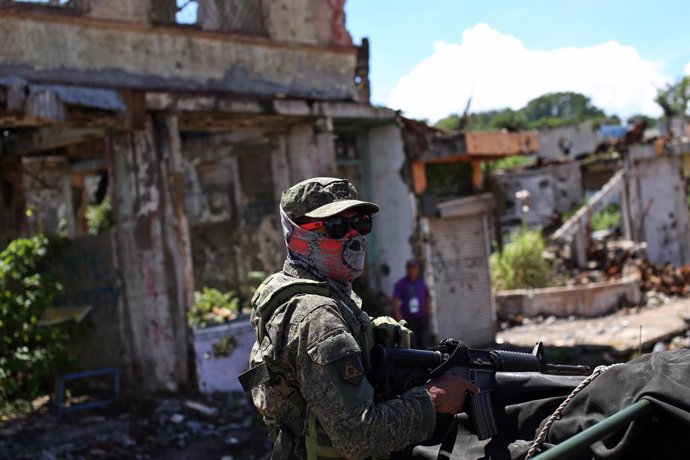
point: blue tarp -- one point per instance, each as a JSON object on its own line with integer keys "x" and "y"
{"x": 612, "y": 132}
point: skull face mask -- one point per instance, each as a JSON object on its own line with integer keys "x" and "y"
{"x": 339, "y": 259}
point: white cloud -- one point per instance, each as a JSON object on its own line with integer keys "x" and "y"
{"x": 686, "y": 69}
{"x": 497, "y": 71}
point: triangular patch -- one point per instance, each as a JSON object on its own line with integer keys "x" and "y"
{"x": 351, "y": 371}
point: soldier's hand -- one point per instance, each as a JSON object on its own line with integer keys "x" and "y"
{"x": 448, "y": 392}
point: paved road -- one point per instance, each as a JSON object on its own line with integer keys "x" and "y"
{"x": 624, "y": 330}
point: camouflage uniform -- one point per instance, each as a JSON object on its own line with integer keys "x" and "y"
{"x": 310, "y": 351}
{"x": 315, "y": 343}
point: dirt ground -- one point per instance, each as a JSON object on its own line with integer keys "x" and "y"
{"x": 227, "y": 427}
{"x": 626, "y": 331}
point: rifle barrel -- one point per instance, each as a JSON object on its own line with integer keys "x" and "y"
{"x": 568, "y": 369}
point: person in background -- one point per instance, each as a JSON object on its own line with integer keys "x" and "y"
{"x": 412, "y": 302}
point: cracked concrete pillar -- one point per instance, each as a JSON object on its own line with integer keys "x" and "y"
{"x": 153, "y": 252}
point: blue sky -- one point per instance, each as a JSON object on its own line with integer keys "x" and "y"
{"x": 428, "y": 57}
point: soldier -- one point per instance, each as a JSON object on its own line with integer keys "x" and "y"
{"x": 308, "y": 365}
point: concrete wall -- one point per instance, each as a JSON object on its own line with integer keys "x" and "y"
{"x": 88, "y": 273}
{"x": 661, "y": 209}
{"x": 307, "y": 21}
{"x": 63, "y": 49}
{"x": 234, "y": 184}
{"x": 48, "y": 194}
{"x": 551, "y": 188}
{"x": 395, "y": 223}
{"x": 567, "y": 142}
{"x": 589, "y": 300}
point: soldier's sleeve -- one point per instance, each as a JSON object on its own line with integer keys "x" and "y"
{"x": 328, "y": 364}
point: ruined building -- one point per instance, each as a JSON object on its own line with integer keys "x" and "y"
{"x": 192, "y": 121}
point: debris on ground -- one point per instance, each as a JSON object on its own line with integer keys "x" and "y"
{"x": 167, "y": 427}
{"x": 628, "y": 330}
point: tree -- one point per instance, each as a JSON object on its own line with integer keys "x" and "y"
{"x": 567, "y": 107}
{"x": 450, "y": 123}
{"x": 511, "y": 120}
{"x": 674, "y": 100}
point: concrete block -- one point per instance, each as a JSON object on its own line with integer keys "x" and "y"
{"x": 222, "y": 353}
{"x": 587, "y": 300}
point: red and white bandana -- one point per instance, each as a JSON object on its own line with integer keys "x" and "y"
{"x": 341, "y": 259}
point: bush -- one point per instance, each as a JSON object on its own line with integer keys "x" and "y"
{"x": 212, "y": 307}
{"x": 607, "y": 218}
{"x": 30, "y": 355}
{"x": 100, "y": 217}
{"x": 521, "y": 264}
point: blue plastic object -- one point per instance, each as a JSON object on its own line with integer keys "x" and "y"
{"x": 115, "y": 372}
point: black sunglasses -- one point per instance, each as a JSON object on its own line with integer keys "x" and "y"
{"x": 338, "y": 226}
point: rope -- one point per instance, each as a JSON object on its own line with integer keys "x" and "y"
{"x": 536, "y": 445}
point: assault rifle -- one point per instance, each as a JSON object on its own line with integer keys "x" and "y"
{"x": 395, "y": 370}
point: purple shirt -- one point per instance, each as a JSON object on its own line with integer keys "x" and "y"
{"x": 413, "y": 297}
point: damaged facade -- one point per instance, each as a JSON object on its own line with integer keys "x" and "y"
{"x": 193, "y": 131}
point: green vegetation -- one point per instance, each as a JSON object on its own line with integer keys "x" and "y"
{"x": 511, "y": 162}
{"x": 213, "y": 306}
{"x": 100, "y": 217}
{"x": 607, "y": 218}
{"x": 30, "y": 355}
{"x": 521, "y": 264}
{"x": 547, "y": 111}
{"x": 449, "y": 179}
{"x": 674, "y": 99}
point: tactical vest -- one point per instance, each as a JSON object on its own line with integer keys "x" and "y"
{"x": 382, "y": 330}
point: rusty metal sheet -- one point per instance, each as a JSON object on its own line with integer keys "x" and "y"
{"x": 490, "y": 143}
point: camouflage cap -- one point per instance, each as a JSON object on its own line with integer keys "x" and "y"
{"x": 321, "y": 197}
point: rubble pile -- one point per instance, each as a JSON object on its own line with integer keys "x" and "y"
{"x": 665, "y": 279}
{"x": 615, "y": 259}
{"x": 225, "y": 427}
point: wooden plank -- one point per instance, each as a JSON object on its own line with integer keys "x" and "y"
{"x": 43, "y": 139}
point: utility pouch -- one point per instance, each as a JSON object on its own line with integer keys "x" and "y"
{"x": 390, "y": 333}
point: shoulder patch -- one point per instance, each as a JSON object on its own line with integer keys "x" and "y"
{"x": 352, "y": 370}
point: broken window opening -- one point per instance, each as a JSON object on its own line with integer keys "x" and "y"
{"x": 187, "y": 12}
{"x": 99, "y": 214}
{"x": 346, "y": 147}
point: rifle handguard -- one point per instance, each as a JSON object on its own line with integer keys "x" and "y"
{"x": 512, "y": 361}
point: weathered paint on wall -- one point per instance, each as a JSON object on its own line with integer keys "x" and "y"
{"x": 394, "y": 225}
{"x": 307, "y": 21}
{"x": 551, "y": 188}
{"x": 662, "y": 209}
{"x": 48, "y": 194}
{"x": 151, "y": 254}
{"x": 567, "y": 142}
{"x": 459, "y": 279}
{"x": 235, "y": 181}
{"x": 311, "y": 151}
{"x": 99, "y": 53}
{"x": 89, "y": 276}
{"x": 222, "y": 352}
{"x": 590, "y": 300}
